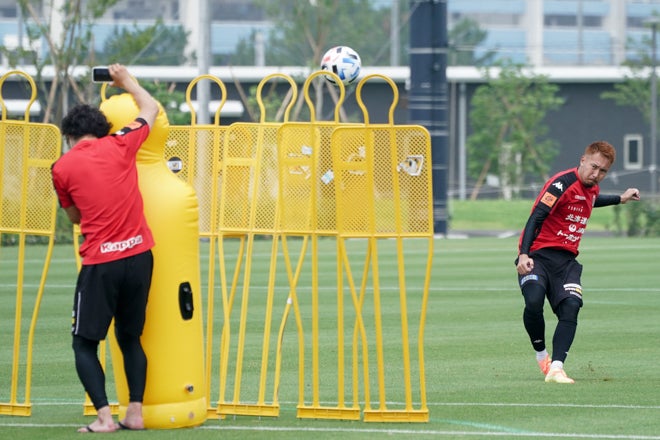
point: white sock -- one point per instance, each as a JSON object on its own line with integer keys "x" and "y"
{"x": 557, "y": 364}
{"x": 540, "y": 355}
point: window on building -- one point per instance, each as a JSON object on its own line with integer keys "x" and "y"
{"x": 8, "y": 12}
{"x": 555, "y": 20}
{"x": 635, "y": 22}
{"x": 633, "y": 148}
{"x": 486, "y": 20}
{"x": 236, "y": 10}
{"x": 559, "y": 20}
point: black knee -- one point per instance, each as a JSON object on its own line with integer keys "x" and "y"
{"x": 135, "y": 364}
{"x": 85, "y": 352}
{"x": 84, "y": 346}
{"x": 126, "y": 340}
{"x": 568, "y": 310}
{"x": 534, "y": 295}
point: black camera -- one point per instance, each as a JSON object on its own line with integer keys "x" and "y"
{"x": 101, "y": 74}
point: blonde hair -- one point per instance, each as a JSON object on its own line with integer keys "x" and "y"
{"x": 602, "y": 147}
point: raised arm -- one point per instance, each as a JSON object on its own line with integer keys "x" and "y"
{"x": 145, "y": 102}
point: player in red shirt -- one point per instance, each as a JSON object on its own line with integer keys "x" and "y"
{"x": 547, "y": 251}
{"x": 96, "y": 182}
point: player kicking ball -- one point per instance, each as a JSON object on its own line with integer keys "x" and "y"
{"x": 548, "y": 247}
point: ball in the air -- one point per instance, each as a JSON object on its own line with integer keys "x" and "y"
{"x": 342, "y": 61}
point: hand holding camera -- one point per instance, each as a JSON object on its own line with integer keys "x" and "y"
{"x": 101, "y": 74}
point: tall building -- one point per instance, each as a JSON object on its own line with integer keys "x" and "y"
{"x": 536, "y": 32}
{"x": 557, "y": 32}
{"x": 230, "y": 20}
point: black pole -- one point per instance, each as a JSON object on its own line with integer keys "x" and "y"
{"x": 428, "y": 93}
{"x": 654, "y": 111}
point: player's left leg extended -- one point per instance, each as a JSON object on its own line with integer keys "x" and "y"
{"x": 567, "y": 312}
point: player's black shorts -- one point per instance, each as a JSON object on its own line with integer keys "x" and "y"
{"x": 117, "y": 289}
{"x": 558, "y": 272}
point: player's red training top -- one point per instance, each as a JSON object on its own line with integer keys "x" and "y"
{"x": 560, "y": 214}
{"x": 99, "y": 177}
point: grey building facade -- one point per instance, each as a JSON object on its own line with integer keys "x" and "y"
{"x": 580, "y": 43}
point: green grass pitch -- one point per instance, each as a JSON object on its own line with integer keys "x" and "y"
{"x": 481, "y": 378}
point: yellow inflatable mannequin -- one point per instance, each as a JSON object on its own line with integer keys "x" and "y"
{"x": 175, "y": 394}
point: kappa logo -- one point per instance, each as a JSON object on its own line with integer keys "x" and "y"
{"x": 121, "y": 246}
{"x": 559, "y": 186}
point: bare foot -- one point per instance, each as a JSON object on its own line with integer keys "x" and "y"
{"x": 124, "y": 425}
{"x": 133, "y": 419}
{"x": 98, "y": 428}
{"x": 103, "y": 422}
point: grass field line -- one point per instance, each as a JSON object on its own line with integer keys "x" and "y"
{"x": 58, "y": 402}
{"x": 380, "y": 431}
{"x": 439, "y": 249}
{"x": 409, "y": 252}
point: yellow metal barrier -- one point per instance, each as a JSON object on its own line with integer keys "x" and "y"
{"x": 29, "y": 207}
{"x": 383, "y": 189}
{"x": 307, "y": 209}
{"x": 248, "y": 208}
{"x": 194, "y": 154}
{"x": 293, "y": 183}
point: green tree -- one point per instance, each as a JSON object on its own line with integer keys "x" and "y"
{"x": 167, "y": 95}
{"x": 635, "y": 90}
{"x": 244, "y": 54}
{"x": 154, "y": 45}
{"x": 70, "y": 48}
{"x": 507, "y": 120}
{"x": 464, "y": 37}
{"x": 304, "y": 30}
{"x": 275, "y": 100}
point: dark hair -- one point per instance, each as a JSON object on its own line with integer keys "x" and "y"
{"x": 83, "y": 119}
{"x": 602, "y": 147}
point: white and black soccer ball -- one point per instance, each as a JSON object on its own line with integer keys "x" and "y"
{"x": 342, "y": 61}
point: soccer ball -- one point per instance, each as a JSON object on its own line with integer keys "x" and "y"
{"x": 342, "y": 61}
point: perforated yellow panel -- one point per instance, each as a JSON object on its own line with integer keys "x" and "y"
{"x": 194, "y": 154}
{"x": 29, "y": 203}
{"x": 28, "y": 200}
{"x": 383, "y": 187}
{"x": 250, "y": 183}
{"x": 306, "y": 178}
{"x": 383, "y": 180}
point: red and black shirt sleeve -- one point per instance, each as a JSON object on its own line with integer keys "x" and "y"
{"x": 549, "y": 197}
